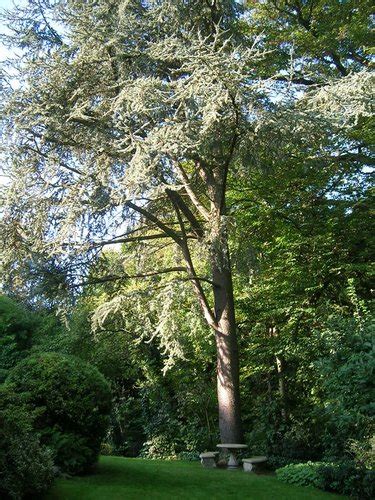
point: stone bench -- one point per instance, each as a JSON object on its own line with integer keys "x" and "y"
{"x": 208, "y": 459}
{"x": 250, "y": 463}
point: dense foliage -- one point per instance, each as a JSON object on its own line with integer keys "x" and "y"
{"x": 74, "y": 401}
{"x": 305, "y": 474}
{"x": 26, "y": 465}
{"x": 345, "y": 477}
{"x": 23, "y": 330}
{"x": 16, "y": 329}
{"x": 349, "y": 479}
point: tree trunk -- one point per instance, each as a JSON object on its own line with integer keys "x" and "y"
{"x": 280, "y": 367}
{"x": 280, "y": 374}
{"x": 227, "y": 347}
{"x": 222, "y": 319}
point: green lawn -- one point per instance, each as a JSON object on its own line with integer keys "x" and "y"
{"x": 126, "y": 479}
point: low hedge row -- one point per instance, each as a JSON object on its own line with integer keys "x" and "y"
{"x": 344, "y": 477}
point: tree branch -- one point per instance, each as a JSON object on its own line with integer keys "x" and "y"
{"x": 149, "y": 216}
{"x": 298, "y": 81}
{"x": 193, "y": 198}
{"x": 111, "y": 278}
{"x": 176, "y": 199}
{"x": 206, "y": 175}
{"x": 106, "y": 279}
{"x": 45, "y": 155}
{"x": 202, "y": 299}
{"x": 132, "y": 239}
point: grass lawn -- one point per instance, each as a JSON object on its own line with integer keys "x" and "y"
{"x": 128, "y": 478}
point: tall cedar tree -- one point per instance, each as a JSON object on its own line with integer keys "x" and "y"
{"x": 126, "y": 121}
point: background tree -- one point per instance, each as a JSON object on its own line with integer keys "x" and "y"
{"x": 302, "y": 239}
{"x": 312, "y": 41}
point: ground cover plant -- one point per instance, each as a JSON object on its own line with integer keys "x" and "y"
{"x": 344, "y": 477}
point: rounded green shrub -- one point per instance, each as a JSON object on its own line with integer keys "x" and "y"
{"x": 26, "y": 466}
{"x": 305, "y": 474}
{"x": 74, "y": 402}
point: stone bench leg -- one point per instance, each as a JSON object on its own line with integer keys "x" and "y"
{"x": 248, "y": 467}
{"x": 208, "y": 463}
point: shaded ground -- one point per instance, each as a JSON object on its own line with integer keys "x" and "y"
{"x": 128, "y": 479}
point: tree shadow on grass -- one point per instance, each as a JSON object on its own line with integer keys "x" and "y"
{"x": 164, "y": 475}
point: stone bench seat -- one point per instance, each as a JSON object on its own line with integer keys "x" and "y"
{"x": 249, "y": 463}
{"x": 208, "y": 459}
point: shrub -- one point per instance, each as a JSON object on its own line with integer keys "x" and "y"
{"x": 74, "y": 401}
{"x": 348, "y": 479}
{"x": 345, "y": 383}
{"x": 342, "y": 477}
{"x": 159, "y": 447}
{"x": 126, "y": 434}
{"x": 107, "y": 449}
{"x": 363, "y": 452}
{"x": 26, "y": 466}
{"x": 306, "y": 474}
{"x": 368, "y": 484}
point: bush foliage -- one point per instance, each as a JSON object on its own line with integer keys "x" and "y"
{"x": 74, "y": 401}
{"x": 26, "y": 466}
{"x": 341, "y": 477}
{"x": 16, "y": 329}
{"x": 305, "y": 474}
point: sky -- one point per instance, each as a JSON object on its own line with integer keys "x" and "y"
{"x": 4, "y": 53}
{"x": 6, "y": 4}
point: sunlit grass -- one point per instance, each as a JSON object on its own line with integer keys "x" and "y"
{"x": 118, "y": 478}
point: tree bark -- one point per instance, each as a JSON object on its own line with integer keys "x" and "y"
{"x": 282, "y": 392}
{"x": 228, "y": 390}
{"x": 280, "y": 368}
{"x": 222, "y": 318}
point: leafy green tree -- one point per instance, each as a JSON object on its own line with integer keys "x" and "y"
{"x": 312, "y": 41}
{"x": 138, "y": 128}
{"x": 299, "y": 256}
{"x": 16, "y": 330}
